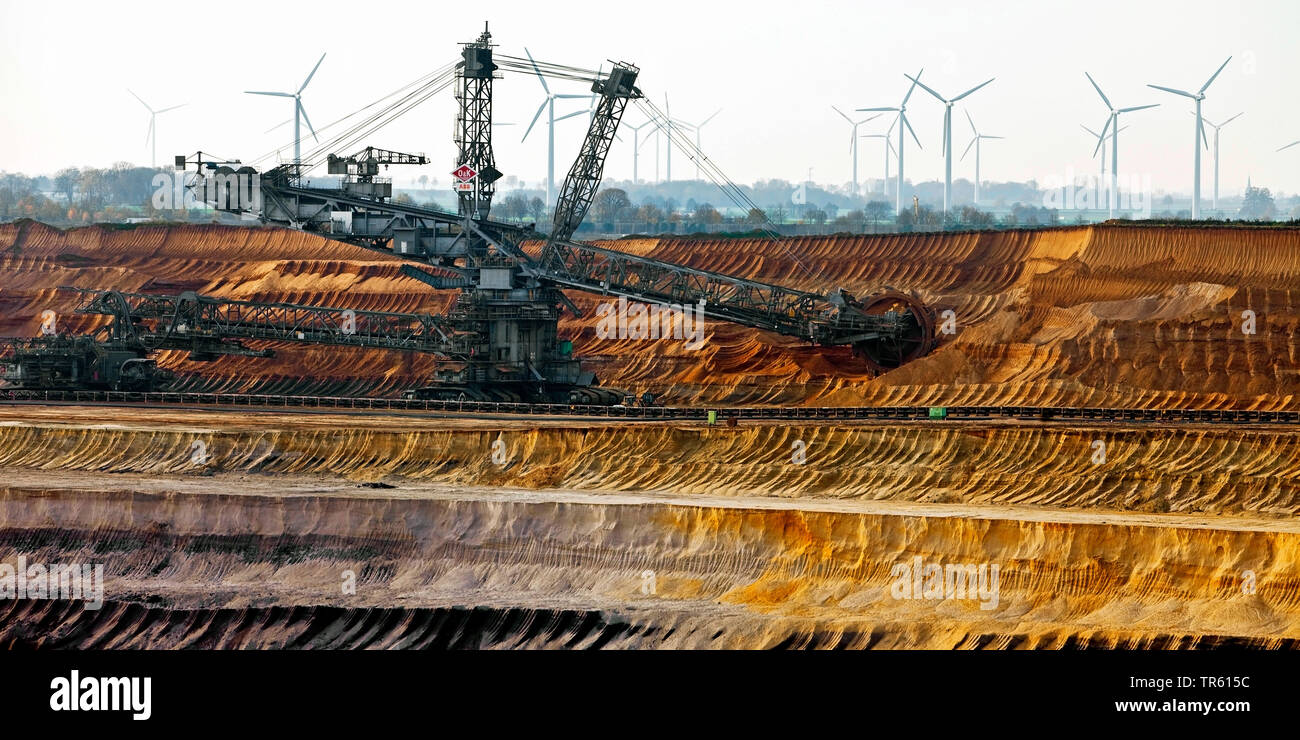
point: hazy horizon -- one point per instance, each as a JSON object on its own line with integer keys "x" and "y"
{"x": 775, "y": 70}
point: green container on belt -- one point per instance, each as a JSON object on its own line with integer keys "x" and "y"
{"x": 713, "y": 417}
{"x": 938, "y": 412}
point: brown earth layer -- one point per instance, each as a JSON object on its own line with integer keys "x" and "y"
{"x": 1180, "y": 537}
{"x": 1089, "y": 315}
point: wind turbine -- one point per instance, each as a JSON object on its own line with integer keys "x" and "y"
{"x": 636, "y": 146}
{"x": 1101, "y": 138}
{"x": 902, "y": 116}
{"x": 1112, "y": 125}
{"x": 889, "y": 147}
{"x": 696, "y": 127}
{"x": 548, "y": 104}
{"x": 152, "y": 136}
{"x": 1288, "y": 146}
{"x": 947, "y": 136}
{"x": 1199, "y": 135}
{"x": 1215, "y": 203}
{"x": 299, "y": 112}
{"x": 853, "y": 143}
{"x": 975, "y": 142}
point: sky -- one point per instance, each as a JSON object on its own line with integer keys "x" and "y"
{"x": 775, "y": 69}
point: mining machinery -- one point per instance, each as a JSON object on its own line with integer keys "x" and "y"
{"x": 510, "y": 280}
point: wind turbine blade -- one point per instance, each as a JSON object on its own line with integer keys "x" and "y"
{"x": 853, "y": 139}
{"x": 968, "y": 146}
{"x": 868, "y": 110}
{"x": 859, "y": 123}
{"x": 174, "y": 107}
{"x": 973, "y": 89}
{"x": 565, "y": 96}
{"x": 892, "y": 124}
{"x": 1216, "y": 74}
{"x": 276, "y": 94}
{"x": 986, "y": 136}
{"x": 1085, "y": 128}
{"x": 1200, "y": 125}
{"x": 908, "y": 124}
{"x": 149, "y": 134}
{"x": 837, "y": 110}
{"x": 715, "y": 114}
{"x": 1288, "y": 146}
{"x": 536, "y": 116}
{"x": 308, "y": 120}
{"x": 910, "y": 89}
{"x": 1184, "y": 93}
{"x": 313, "y": 74}
{"x": 925, "y": 88}
{"x": 1138, "y": 107}
{"x": 971, "y": 121}
{"x": 1101, "y": 139}
{"x": 571, "y": 115}
{"x": 891, "y": 146}
{"x": 278, "y": 125}
{"x": 1230, "y": 120}
{"x": 137, "y": 97}
{"x": 1097, "y": 87}
{"x": 538, "y": 71}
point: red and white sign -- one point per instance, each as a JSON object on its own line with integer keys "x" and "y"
{"x": 464, "y": 187}
{"x": 464, "y": 173}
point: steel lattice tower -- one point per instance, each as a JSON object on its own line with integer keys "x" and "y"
{"x": 474, "y": 126}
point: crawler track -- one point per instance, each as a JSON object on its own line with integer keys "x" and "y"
{"x": 951, "y": 413}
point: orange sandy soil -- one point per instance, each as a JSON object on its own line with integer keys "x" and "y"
{"x": 1089, "y": 315}
{"x": 1182, "y": 537}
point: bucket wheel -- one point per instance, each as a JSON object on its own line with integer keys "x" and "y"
{"x": 916, "y": 338}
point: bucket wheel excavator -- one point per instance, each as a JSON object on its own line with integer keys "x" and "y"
{"x": 510, "y": 292}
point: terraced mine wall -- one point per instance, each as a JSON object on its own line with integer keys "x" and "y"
{"x": 1210, "y": 470}
{"x": 1102, "y": 315}
{"x": 655, "y": 536}
{"x": 212, "y": 570}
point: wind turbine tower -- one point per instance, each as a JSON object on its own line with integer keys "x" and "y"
{"x": 902, "y": 116}
{"x": 889, "y": 146}
{"x": 853, "y": 143}
{"x": 1214, "y": 204}
{"x": 151, "y": 137}
{"x": 1112, "y": 125}
{"x": 548, "y": 104}
{"x": 299, "y": 112}
{"x": 975, "y": 142}
{"x": 947, "y": 136}
{"x": 1199, "y": 135}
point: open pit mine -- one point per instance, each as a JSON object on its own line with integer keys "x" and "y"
{"x": 360, "y": 423}
{"x": 1107, "y": 456}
